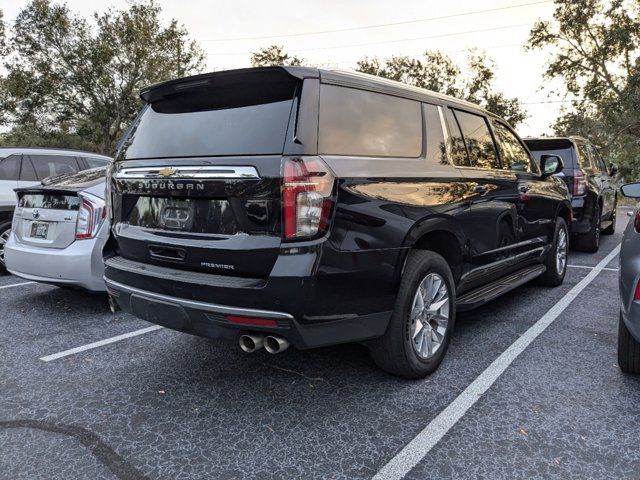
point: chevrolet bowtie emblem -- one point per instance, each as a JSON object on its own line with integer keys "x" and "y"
{"x": 167, "y": 172}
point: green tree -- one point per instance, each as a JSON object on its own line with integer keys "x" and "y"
{"x": 438, "y": 72}
{"x": 274, "y": 55}
{"x": 596, "y": 55}
{"x": 74, "y": 82}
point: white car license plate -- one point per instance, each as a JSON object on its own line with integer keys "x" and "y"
{"x": 39, "y": 230}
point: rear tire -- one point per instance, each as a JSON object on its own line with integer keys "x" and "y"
{"x": 415, "y": 341}
{"x": 590, "y": 241}
{"x": 556, "y": 261}
{"x": 628, "y": 349}
{"x": 5, "y": 230}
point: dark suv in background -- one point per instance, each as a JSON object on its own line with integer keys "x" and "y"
{"x": 291, "y": 205}
{"x": 591, "y": 184}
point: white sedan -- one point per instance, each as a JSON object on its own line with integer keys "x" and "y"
{"x": 59, "y": 230}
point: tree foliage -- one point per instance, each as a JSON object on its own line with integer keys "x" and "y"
{"x": 438, "y": 72}
{"x": 74, "y": 82}
{"x": 596, "y": 49}
{"x": 274, "y": 55}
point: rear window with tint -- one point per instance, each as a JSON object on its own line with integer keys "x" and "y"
{"x": 228, "y": 119}
{"x": 49, "y": 201}
{"x": 361, "y": 123}
{"x": 563, "y": 153}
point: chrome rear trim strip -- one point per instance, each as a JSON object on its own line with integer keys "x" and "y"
{"x": 209, "y": 307}
{"x": 189, "y": 172}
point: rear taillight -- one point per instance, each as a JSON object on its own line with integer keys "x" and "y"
{"x": 91, "y": 214}
{"x": 636, "y": 222}
{"x": 307, "y": 197}
{"x": 636, "y": 296}
{"x": 579, "y": 183}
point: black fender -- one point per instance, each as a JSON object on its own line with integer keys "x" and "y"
{"x": 439, "y": 223}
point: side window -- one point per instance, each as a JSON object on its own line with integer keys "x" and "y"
{"x": 478, "y": 139}
{"x": 598, "y": 159}
{"x": 359, "y": 122}
{"x": 585, "y": 159}
{"x": 10, "y": 167}
{"x": 49, "y": 165}
{"x": 27, "y": 173}
{"x": 514, "y": 155}
{"x": 436, "y": 146}
{"x": 95, "y": 162}
{"x": 459, "y": 155}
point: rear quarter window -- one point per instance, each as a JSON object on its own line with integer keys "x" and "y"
{"x": 50, "y": 165}
{"x": 362, "y": 123}
{"x": 10, "y": 167}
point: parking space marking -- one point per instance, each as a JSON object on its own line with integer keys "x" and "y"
{"x": 16, "y": 285}
{"x": 428, "y": 438}
{"x": 591, "y": 268}
{"x": 100, "y": 343}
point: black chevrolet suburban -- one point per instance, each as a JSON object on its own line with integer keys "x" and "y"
{"x": 591, "y": 183}
{"x": 295, "y": 206}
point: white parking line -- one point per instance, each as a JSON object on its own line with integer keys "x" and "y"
{"x": 16, "y": 285}
{"x": 420, "y": 446}
{"x": 591, "y": 268}
{"x": 101, "y": 343}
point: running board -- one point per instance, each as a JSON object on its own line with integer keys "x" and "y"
{"x": 482, "y": 295}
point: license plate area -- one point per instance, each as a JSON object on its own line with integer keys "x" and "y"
{"x": 39, "y": 230}
{"x": 192, "y": 215}
{"x": 177, "y": 215}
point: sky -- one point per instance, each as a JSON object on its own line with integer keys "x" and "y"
{"x": 229, "y": 30}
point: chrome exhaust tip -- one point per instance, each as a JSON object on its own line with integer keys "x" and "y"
{"x": 251, "y": 342}
{"x": 275, "y": 344}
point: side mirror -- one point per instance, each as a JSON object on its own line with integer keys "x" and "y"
{"x": 613, "y": 169}
{"x": 631, "y": 190}
{"x": 550, "y": 165}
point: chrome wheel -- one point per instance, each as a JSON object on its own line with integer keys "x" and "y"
{"x": 561, "y": 251}
{"x": 429, "y": 315}
{"x": 4, "y": 236}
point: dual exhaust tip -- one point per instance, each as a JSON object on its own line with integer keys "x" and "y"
{"x": 252, "y": 342}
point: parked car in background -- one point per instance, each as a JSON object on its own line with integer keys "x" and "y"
{"x": 293, "y": 205}
{"x": 590, "y": 181}
{"x": 629, "y": 281}
{"x": 59, "y": 230}
{"x": 26, "y": 167}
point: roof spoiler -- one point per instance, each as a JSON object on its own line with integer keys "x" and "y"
{"x": 227, "y": 77}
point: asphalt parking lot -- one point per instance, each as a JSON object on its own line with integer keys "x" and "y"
{"x": 166, "y": 405}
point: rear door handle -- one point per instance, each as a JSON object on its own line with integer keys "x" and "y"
{"x": 480, "y": 189}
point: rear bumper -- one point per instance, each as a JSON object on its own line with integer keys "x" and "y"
{"x": 212, "y": 320}
{"x": 79, "y": 265}
{"x": 581, "y": 222}
{"x": 312, "y": 306}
